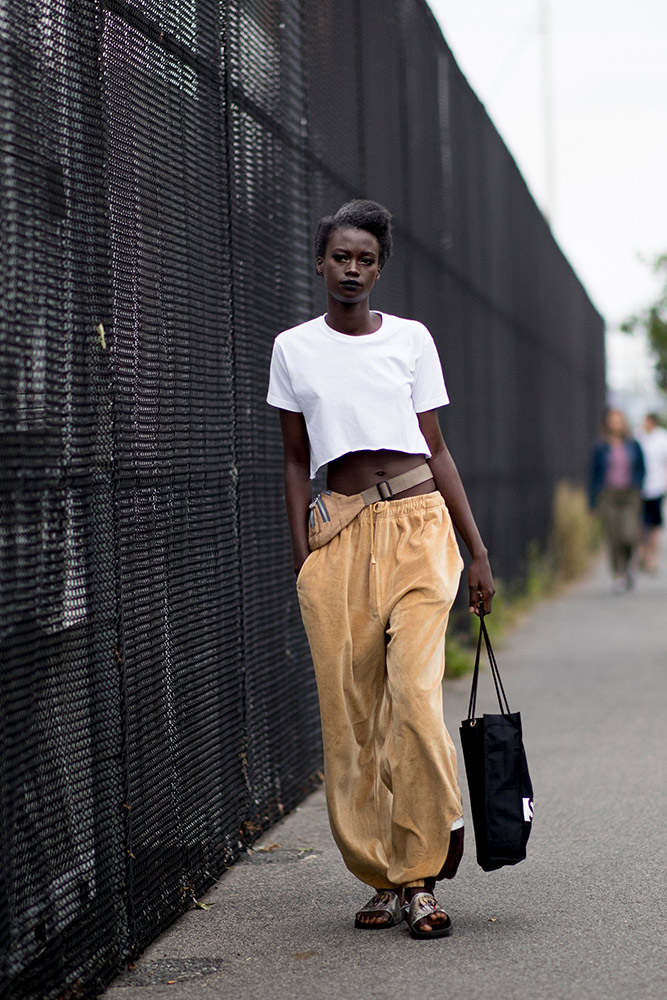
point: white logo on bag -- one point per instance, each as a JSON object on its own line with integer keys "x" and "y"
{"x": 528, "y": 810}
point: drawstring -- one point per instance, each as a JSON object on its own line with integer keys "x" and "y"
{"x": 372, "y": 508}
{"x": 372, "y": 537}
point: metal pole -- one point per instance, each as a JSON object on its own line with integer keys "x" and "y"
{"x": 547, "y": 110}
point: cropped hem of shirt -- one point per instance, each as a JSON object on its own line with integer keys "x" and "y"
{"x": 358, "y": 393}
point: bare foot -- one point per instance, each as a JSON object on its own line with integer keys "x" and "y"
{"x": 435, "y": 923}
{"x": 383, "y": 910}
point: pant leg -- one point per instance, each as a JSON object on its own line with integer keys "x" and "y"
{"x": 609, "y": 514}
{"x": 419, "y": 571}
{"x": 621, "y": 517}
{"x": 348, "y": 646}
{"x": 630, "y": 517}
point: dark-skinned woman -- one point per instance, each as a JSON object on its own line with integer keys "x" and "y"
{"x": 358, "y": 392}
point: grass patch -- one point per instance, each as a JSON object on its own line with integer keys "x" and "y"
{"x": 459, "y": 656}
{"x": 576, "y": 532}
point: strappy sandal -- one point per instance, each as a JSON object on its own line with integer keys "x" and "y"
{"x": 385, "y": 901}
{"x": 424, "y": 904}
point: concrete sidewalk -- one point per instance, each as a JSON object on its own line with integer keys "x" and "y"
{"x": 583, "y": 917}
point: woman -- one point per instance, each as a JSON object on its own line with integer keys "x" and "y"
{"x": 358, "y": 390}
{"x": 617, "y": 473}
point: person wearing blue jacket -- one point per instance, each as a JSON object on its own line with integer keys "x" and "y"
{"x": 617, "y": 474}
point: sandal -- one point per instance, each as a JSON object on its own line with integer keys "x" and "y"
{"x": 384, "y": 901}
{"x": 424, "y": 904}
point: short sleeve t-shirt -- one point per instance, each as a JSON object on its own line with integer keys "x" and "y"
{"x": 654, "y": 446}
{"x": 358, "y": 393}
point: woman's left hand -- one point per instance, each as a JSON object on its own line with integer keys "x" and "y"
{"x": 480, "y": 584}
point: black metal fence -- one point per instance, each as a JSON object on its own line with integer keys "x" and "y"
{"x": 163, "y": 166}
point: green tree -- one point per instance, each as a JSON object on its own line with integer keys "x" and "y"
{"x": 653, "y": 320}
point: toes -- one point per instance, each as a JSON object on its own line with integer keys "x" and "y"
{"x": 432, "y": 922}
{"x": 372, "y": 919}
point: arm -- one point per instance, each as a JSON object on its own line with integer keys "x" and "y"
{"x": 640, "y": 465}
{"x": 448, "y": 481}
{"x": 596, "y": 481}
{"x": 296, "y": 461}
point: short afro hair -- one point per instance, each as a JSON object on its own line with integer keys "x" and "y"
{"x": 358, "y": 214}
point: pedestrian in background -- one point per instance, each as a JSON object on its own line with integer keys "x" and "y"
{"x": 617, "y": 474}
{"x": 653, "y": 441}
{"x": 358, "y": 391}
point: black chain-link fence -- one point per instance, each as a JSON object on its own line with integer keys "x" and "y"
{"x": 163, "y": 167}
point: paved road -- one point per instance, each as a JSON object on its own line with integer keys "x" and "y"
{"x": 584, "y": 918}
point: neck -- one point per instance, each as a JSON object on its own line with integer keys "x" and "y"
{"x": 354, "y": 318}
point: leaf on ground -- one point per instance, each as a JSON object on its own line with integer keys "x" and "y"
{"x": 301, "y": 956}
{"x": 203, "y": 906}
{"x": 267, "y": 848}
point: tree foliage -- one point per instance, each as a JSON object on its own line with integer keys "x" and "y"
{"x": 653, "y": 320}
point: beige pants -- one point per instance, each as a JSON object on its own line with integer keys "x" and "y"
{"x": 620, "y": 511}
{"x": 375, "y": 602}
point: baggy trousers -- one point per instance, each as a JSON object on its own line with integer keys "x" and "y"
{"x": 375, "y": 602}
{"x": 620, "y": 511}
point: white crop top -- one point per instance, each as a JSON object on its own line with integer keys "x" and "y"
{"x": 358, "y": 393}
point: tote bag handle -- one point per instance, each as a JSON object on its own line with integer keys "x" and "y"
{"x": 495, "y": 673}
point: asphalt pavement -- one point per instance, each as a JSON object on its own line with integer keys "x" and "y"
{"x": 583, "y": 918}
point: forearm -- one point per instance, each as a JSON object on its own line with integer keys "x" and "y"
{"x": 296, "y": 458}
{"x": 448, "y": 482}
{"x": 297, "y": 501}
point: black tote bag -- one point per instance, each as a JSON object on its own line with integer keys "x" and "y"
{"x": 501, "y": 793}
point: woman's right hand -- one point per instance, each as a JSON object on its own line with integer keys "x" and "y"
{"x": 480, "y": 584}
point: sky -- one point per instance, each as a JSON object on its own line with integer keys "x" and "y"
{"x": 599, "y": 170}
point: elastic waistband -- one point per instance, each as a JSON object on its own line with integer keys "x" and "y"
{"x": 397, "y": 508}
